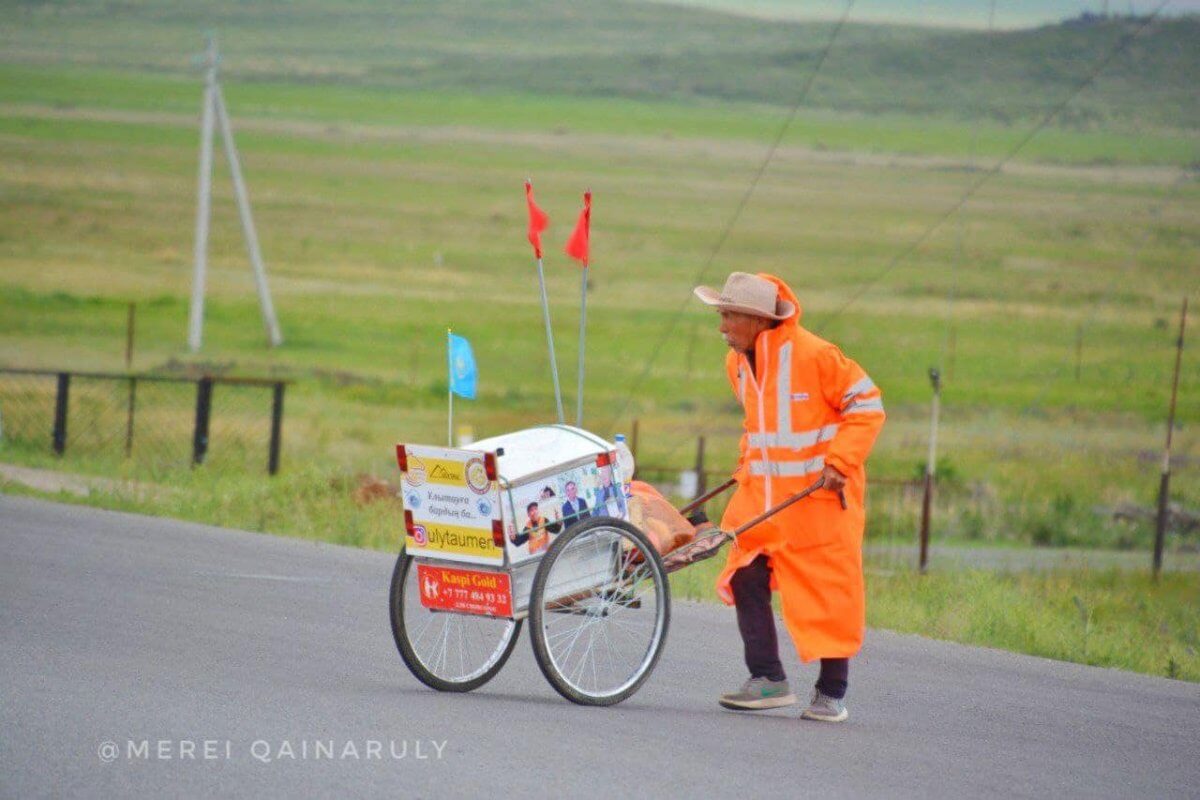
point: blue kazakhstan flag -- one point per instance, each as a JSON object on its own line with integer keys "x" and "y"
{"x": 463, "y": 374}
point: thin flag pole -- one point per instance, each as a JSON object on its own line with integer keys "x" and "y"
{"x": 582, "y": 337}
{"x": 550, "y": 340}
{"x": 538, "y": 222}
{"x": 578, "y": 248}
{"x": 449, "y": 391}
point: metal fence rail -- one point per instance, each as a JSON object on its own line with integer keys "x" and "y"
{"x": 159, "y": 420}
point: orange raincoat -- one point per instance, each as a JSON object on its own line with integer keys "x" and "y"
{"x": 806, "y": 405}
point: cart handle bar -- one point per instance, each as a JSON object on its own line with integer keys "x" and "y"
{"x": 704, "y": 498}
{"x": 770, "y": 512}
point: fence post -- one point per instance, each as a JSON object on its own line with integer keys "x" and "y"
{"x": 1164, "y": 486}
{"x": 701, "y": 478}
{"x": 930, "y": 470}
{"x": 276, "y": 428}
{"x": 60, "y": 412}
{"x": 129, "y": 416}
{"x": 204, "y": 388}
{"x": 129, "y": 321}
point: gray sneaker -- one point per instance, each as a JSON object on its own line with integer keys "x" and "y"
{"x": 757, "y": 694}
{"x": 825, "y": 708}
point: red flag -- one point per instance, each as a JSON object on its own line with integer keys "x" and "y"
{"x": 538, "y": 221}
{"x": 577, "y": 245}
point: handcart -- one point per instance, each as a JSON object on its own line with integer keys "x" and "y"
{"x": 531, "y": 525}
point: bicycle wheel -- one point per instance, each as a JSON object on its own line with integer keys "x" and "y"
{"x": 446, "y": 651}
{"x": 599, "y": 610}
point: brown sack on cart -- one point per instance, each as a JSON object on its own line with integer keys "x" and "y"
{"x": 654, "y": 515}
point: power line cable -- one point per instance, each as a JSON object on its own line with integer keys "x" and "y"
{"x": 998, "y": 166}
{"x": 949, "y": 340}
{"x": 737, "y": 212}
{"x": 901, "y": 256}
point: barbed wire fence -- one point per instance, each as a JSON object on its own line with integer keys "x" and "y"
{"x": 99, "y": 421}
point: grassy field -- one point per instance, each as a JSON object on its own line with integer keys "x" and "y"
{"x": 390, "y": 207}
{"x": 378, "y": 241}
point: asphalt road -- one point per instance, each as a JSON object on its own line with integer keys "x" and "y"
{"x": 120, "y": 629}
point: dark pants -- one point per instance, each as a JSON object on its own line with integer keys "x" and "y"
{"x": 756, "y": 622}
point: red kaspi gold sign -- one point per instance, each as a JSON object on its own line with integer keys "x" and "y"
{"x": 466, "y": 591}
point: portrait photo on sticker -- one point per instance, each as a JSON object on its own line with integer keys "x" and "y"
{"x": 577, "y": 493}
{"x": 537, "y": 515}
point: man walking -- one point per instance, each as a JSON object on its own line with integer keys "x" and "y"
{"x": 810, "y": 413}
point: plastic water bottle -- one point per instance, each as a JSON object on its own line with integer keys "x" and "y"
{"x": 625, "y": 462}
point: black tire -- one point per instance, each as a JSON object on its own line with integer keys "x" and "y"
{"x": 540, "y": 613}
{"x": 401, "y": 629}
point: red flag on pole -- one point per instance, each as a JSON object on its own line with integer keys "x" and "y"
{"x": 577, "y": 245}
{"x": 538, "y": 221}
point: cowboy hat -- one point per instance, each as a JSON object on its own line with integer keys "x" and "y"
{"x": 747, "y": 294}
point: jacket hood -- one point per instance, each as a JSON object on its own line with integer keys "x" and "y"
{"x": 786, "y": 293}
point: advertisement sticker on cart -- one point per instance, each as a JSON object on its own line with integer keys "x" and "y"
{"x": 451, "y": 504}
{"x": 465, "y": 591}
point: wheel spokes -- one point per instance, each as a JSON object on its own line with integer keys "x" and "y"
{"x": 613, "y": 629}
{"x": 455, "y": 648}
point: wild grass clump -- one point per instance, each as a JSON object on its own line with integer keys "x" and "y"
{"x": 1063, "y": 521}
{"x": 977, "y": 515}
{"x": 1107, "y": 619}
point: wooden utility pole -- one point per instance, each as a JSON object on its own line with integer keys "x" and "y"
{"x": 930, "y": 467}
{"x": 1160, "y": 527}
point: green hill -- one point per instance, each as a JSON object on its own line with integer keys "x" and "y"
{"x": 944, "y": 13}
{"x": 636, "y": 49}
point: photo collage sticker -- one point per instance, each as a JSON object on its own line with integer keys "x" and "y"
{"x": 545, "y": 508}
